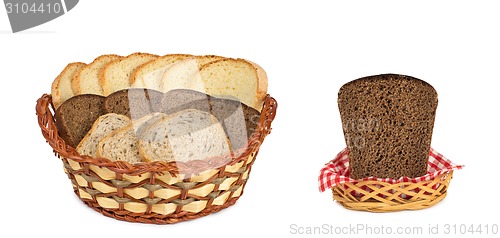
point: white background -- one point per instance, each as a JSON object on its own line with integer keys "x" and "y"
{"x": 309, "y": 49}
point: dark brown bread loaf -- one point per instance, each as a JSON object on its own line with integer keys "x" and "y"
{"x": 75, "y": 116}
{"x": 387, "y": 123}
{"x": 134, "y": 102}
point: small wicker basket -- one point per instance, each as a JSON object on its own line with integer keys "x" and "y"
{"x": 377, "y": 196}
{"x": 385, "y": 194}
{"x": 155, "y": 192}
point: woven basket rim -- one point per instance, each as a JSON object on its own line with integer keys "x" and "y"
{"x": 45, "y": 113}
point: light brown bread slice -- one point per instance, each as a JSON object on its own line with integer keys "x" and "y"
{"x": 233, "y": 78}
{"x": 180, "y": 74}
{"x": 86, "y": 81}
{"x": 148, "y": 75}
{"x": 184, "y": 136}
{"x": 116, "y": 75}
{"x": 103, "y": 126}
{"x": 61, "y": 86}
{"x": 122, "y": 144}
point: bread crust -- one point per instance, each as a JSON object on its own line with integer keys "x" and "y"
{"x": 262, "y": 85}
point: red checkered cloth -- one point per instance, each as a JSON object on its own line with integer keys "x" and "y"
{"x": 337, "y": 171}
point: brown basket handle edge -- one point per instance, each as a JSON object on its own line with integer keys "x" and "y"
{"x": 268, "y": 115}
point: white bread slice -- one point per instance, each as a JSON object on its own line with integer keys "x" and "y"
{"x": 61, "y": 86}
{"x": 86, "y": 80}
{"x": 116, "y": 75}
{"x": 103, "y": 126}
{"x": 122, "y": 144}
{"x": 233, "y": 78}
{"x": 149, "y": 74}
{"x": 180, "y": 74}
{"x": 184, "y": 136}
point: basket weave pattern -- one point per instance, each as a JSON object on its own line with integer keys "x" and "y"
{"x": 155, "y": 192}
{"x": 378, "y": 196}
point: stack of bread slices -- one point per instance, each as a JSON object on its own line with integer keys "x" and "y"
{"x": 145, "y": 107}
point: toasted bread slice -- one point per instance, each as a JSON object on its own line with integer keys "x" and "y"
{"x": 61, "y": 86}
{"x": 116, "y": 75}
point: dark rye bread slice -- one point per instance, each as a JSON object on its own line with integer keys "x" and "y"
{"x": 134, "y": 102}
{"x": 238, "y": 120}
{"x": 75, "y": 117}
{"x": 387, "y": 122}
{"x": 177, "y": 100}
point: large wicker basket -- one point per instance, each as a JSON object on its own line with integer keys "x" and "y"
{"x": 155, "y": 192}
